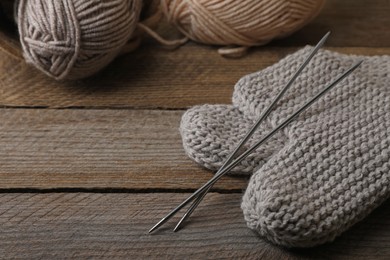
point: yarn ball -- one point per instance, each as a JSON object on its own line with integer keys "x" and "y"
{"x": 72, "y": 39}
{"x": 243, "y": 23}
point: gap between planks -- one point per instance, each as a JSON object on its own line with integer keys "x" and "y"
{"x": 89, "y": 225}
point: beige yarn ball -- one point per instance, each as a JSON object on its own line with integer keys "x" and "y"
{"x": 72, "y": 39}
{"x": 243, "y": 23}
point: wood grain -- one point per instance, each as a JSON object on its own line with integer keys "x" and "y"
{"x": 148, "y": 78}
{"x": 354, "y": 23}
{"x": 115, "y": 138}
{"x": 132, "y": 149}
{"x": 91, "y": 225}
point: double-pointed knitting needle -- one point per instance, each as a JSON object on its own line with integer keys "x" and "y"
{"x": 255, "y": 146}
{"x": 247, "y": 136}
{"x": 254, "y": 127}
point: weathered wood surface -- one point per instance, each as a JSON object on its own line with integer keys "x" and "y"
{"x": 92, "y": 225}
{"x": 116, "y": 136}
{"x": 153, "y": 77}
{"x": 354, "y": 23}
{"x": 148, "y": 78}
{"x": 78, "y": 148}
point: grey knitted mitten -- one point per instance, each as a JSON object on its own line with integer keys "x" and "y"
{"x": 324, "y": 172}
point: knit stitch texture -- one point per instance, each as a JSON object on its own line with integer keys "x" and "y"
{"x": 324, "y": 172}
{"x": 73, "y": 39}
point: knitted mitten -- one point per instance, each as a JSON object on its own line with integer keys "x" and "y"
{"x": 328, "y": 169}
{"x": 211, "y": 132}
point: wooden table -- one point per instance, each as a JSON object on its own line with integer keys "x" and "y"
{"x": 87, "y": 167}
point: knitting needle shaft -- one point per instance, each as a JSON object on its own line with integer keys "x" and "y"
{"x": 254, "y": 127}
{"x": 254, "y": 147}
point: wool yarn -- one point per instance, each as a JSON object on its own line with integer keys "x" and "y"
{"x": 72, "y": 39}
{"x": 325, "y": 171}
{"x": 243, "y": 23}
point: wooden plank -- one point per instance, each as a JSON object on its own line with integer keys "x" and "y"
{"x": 132, "y": 149}
{"x": 354, "y": 23}
{"x": 92, "y": 225}
{"x": 148, "y": 78}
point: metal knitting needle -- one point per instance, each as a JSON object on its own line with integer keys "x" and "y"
{"x": 254, "y": 147}
{"x": 254, "y": 127}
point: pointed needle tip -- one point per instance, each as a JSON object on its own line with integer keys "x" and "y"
{"x": 357, "y": 64}
{"x": 154, "y": 228}
{"x": 324, "y": 38}
{"x": 177, "y": 227}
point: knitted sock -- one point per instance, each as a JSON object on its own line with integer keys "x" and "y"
{"x": 331, "y": 166}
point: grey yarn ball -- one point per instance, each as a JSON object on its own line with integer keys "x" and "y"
{"x": 72, "y": 39}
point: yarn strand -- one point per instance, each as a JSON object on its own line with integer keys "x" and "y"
{"x": 243, "y": 23}
{"x": 71, "y": 39}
